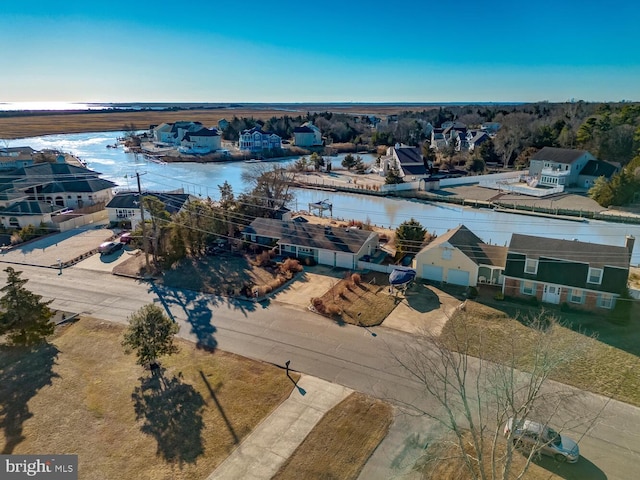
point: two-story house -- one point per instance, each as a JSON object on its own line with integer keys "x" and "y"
{"x": 558, "y": 166}
{"x": 407, "y": 161}
{"x": 307, "y": 135}
{"x": 587, "y": 276}
{"x": 257, "y": 140}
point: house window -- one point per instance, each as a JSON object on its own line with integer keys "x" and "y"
{"x": 594, "y": 275}
{"x": 528, "y": 288}
{"x": 446, "y": 253}
{"x": 531, "y": 266}
{"x": 576, "y": 295}
{"x": 605, "y": 300}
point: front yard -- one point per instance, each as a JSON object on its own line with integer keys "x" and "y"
{"x": 82, "y": 394}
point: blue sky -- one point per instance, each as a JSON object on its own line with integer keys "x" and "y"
{"x": 330, "y": 51}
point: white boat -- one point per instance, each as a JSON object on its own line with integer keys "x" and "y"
{"x": 253, "y": 160}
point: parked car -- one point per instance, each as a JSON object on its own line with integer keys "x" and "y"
{"x": 109, "y": 247}
{"x": 528, "y": 434}
{"x": 125, "y": 238}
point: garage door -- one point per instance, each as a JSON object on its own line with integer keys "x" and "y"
{"x": 458, "y": 277}
{"x": 326, "y": 257}
{"x": 344, "y": 260}
{"x": 432, "y": 272}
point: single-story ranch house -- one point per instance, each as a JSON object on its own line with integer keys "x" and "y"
{"x": 327, "y": 245}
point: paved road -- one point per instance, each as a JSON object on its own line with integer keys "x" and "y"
{"x": 351, "y": 356}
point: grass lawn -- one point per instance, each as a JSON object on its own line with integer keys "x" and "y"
{"x": 442, "y": 461}
{"x": 602, "y": 368}
{"x": 218, "y": 275}
{"x": 81, "y": 394}
{"x": 341, "y": 442}
{"x": 367, "y": 304}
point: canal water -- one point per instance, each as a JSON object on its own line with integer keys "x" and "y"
{"x": 203, "y": 180}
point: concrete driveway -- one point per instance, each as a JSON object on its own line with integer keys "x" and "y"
{"x": 106, "y": 263}
{"x": 66, "y": 246}
{"x": 313, "y": 283}
{"x": 424, "y": 309}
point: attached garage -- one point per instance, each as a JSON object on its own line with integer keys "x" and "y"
{"x": 325, "y": 257}
{"x": 344, "y": 260}
{"x": 458, "y": 277}
{"x": 432, "y": 272}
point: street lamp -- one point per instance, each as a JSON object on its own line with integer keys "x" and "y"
{"x": 59, "y": 267}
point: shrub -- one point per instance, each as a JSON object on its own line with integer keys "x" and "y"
{"x": 356, "y": 279}
{"x": 263, "y": 259}
{"x": 318, "y": 304}
{"x": 309, "y": 261}
{"x": 473, "y": 292}
{"x": 499, "y": 296}
{"x": 291, "y": 265}
{"x": 333, "y": 309}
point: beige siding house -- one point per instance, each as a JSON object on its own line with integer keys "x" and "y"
{"x": 459, "y": 257}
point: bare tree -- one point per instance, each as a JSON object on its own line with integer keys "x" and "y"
{"x": 471, "y": 398}
{"x": 270, "y": 185}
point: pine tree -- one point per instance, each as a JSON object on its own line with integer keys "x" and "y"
{"x": 25, "y": 317}
{"x": 150, "y": 334}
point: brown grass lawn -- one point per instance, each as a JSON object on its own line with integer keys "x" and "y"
{"x": 34, "y": 125}
{"x": 443, "y": 461}
{"x": 342, "y": 441}
{"x": 216, "y": 274}
{"x": 601, "y": 368}
{"x": 367, "y": 304}
{"x": 81, "y": 394}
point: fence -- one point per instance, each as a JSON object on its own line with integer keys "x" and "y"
{"x": 81, "y": 220}
{"x": 376, "y": 267}
{"x": 482, "y": 179}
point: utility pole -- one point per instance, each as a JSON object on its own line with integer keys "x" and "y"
{"x": 145, "y": 240}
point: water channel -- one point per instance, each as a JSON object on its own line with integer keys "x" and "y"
{"x": 203, "y": 179}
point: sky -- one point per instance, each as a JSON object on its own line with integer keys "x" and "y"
{"x": 327, "y": 51}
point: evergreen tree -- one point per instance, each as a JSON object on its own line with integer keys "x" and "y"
{"x": 150, "y": 334}
{"x": 26, "y": 318}
{"x": 410, "y": 236}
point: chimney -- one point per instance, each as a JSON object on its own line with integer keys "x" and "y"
{"x": 629, "y": 242}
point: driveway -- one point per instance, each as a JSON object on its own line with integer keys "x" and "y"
{"x": 314, "y": 282}
{"x": 65, "y": 246}
{"x": 106, "y": 263}
{"x": 424, "y": 309}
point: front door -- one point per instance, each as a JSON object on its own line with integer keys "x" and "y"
{"x": 551, "y": 294}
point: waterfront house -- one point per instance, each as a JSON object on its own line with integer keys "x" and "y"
{"x": 204, "y": 140}
{"x": 407, "y": 161}
{"x": 125, "y": 206}
{"x": 460, "y": 257}
{"x": 307, "y": 135}
{"x": 327, "y": 245}
{"x": 256, "y": 140}
{"x": 583, "y": 275}
{"x": 553, "y": 167}
{"x": 16, "y": 157}
{"x": 30, "y": 195}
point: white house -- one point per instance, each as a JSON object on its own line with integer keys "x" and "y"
{"x": 202, "y": 141}
{"x": 558, "y": 166}
{"x": 125, "y": 206}
{"x": 257, "y": 140}
{"x": 307, "y": 135}
{"x": 407, "y": 161}
{"x": 327, "y": 245}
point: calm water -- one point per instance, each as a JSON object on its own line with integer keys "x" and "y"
{"x": 203, "y": 179}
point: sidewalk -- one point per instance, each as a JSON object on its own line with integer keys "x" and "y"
{"x": 262, "y": 453}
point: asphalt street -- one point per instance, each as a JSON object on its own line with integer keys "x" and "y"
{"x": 357, "y": 358}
